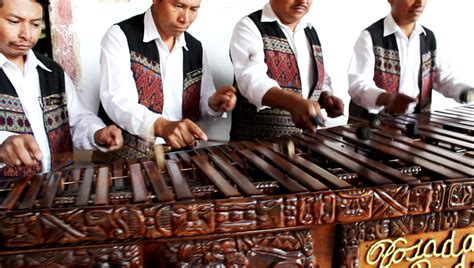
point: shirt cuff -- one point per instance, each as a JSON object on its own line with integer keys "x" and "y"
{"x": 371, "y": 100}
{"x": 93, "y": 144}
{"x": 255, "y": 95}
{"x": 5, "y": 135}
{"x": 212, "y": 113}
{"x": 147, "y": 132}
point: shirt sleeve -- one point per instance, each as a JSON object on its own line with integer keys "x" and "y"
{"x": 248, "y": 59}
{"x": 362, "y": 88}
{"x": 445, "y": 81}
{"x": 207, "y": 90}
{"x": 118, "y": 91}
{"x": 5, "y": 135}
{"x": 327, "y": 85}
{"x": 83, "y": 122}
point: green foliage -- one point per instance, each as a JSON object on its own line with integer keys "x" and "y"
{"x": 43, "y": 30}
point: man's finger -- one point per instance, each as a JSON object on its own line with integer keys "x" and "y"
{"x": 116, "y": 134}
{"x": 187, "y": 137}
{"x": 309, "y": 124}
{"x": 228, "y": 90}
{"x": 329, "y": 102}
{"x": 173, "y": 143}
{"x": 26, "y": 158}
{"x": 33, "y": 148}
{"x": 197, "y": 132}
{"x": 11, "y": 158}
{"x": 340, "y": 106}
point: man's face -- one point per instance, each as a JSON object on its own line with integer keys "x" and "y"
{"x": 407, "y": 11}
{"x": 291, "y": 11}
{"x": 173, "y": 17}
{"x": 20, "y": 27}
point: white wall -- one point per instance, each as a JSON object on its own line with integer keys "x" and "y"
{"x": 338, "y": 23}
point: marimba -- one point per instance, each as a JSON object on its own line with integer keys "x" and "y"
{"x": 329, "y": 199}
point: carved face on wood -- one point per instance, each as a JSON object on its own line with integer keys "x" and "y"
{"x": 270, "y": 213}
{"x": 193, "y": 219}
{"x": 21, "y": 230}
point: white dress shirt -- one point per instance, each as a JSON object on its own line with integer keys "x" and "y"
{"x": 248, "y": 57}
{"x": 362, "y": 88}
{"x": 83, "y": 122}
{"x": 118, "y": 91}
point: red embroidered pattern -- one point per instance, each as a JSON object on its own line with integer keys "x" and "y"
{"x": 426, "y": 90}
{"x": 283, "y": 68}
{"x": 149, "y": 86}
{"x": 318, "y": 55}
{"x": 60, "y": 141}
{"x": 191, "y": 97}
{"x": 387, "y": 81}
{"x": 9, "y": 171}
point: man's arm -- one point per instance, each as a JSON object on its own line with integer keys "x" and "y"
{"x": 333, "y": 105}
{"x": 395, "y": 103}
{"x": 446, "y": 81}
{"x": 362, "y": 88}
{"x": 118, "y": 92}
{"x": 178, "y": 134}
{"x": 214, "y": 102}
{"x": 250, "y": 71}
{"x": 302, "y": 111}
{"x": 87, "y": 130}
{"x": 248, "y": 60}
{"x": 119, "y": 97}
{"x": 223, "y": 100}
{"x": 109, "y": 137}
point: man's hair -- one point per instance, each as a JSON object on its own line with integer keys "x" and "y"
{"x": 43, "y": 3}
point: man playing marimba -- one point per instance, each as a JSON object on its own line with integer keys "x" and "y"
{"x": 396, "y": 65}
{"x": 279, "y": 71}
{"x": 41, "y": 117}
{"x": 155, "y": 80}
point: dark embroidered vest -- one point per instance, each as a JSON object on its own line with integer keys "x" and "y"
{"x": 387, "y": 67}
{"x": 145, "y": 65}
{"x": 55, "y": 117}
{"x": 247, "y": 122}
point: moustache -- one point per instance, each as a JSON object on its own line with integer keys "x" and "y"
{"x": 300, "y": 6}
{"x": 418, "y": 8}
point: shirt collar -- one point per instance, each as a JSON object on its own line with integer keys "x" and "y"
{"x": 390, "y": 27}
{"x": 151, "y": 33}
{"x": 31, "y": 61}
{"x": 268, "y": 15}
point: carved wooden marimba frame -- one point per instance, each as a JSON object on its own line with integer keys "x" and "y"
{"x": 328, "y": 199}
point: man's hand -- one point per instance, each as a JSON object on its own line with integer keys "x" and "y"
{"x": 20, "y": 150}
{"x": 333, "y": 105}
{"x": 109, "y": 137}
{"x": 304, "y": 112}
{"x": 395, "y": 103}
{"x": 223, "y": 100}
{"x": 178, "y": 134}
